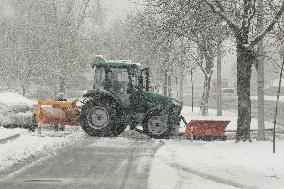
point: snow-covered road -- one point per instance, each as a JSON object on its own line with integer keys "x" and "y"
{"x": 95, "y": 163}
{"x": 30, "y": 144}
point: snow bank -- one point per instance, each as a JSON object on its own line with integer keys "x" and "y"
{"x": 9, "y": 98}
{"x": 4, "y": 133}
{"x": 30, "y": 144}
{"x": 133, "y": 134}
{"x": 232, "y": 117}
{"x": 183, "y": 164}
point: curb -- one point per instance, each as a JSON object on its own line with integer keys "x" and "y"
{"x": 12, "y": 137}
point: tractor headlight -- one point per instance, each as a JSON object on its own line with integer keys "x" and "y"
{"x": 177, "y": 107}
{"x": 177, "y": 103}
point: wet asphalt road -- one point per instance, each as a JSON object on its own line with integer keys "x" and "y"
{"x": 107, "y": 165}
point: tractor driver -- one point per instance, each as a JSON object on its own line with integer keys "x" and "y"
{"x": 115, "y": 84}
{"x": 61, "y": 97}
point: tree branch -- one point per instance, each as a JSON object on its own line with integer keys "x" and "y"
{"x": 268, "y": 28}
{"x": 222, "y": 14}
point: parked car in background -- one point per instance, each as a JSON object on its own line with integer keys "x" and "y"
{"x": 16, "y": 111}
{"x": 228, "y": 93}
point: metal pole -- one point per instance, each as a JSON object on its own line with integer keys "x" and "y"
{"x": 219, "y": 77}
{"x": 276, "y": 109}
{"x": 191, "y": 89}
{"x": 260, "y": 76}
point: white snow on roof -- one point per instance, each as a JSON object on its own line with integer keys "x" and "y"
{"x": 9, "y": 98}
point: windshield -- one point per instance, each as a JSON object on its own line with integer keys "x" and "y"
{"x": 118, "y": 80}
{"x": 228, "y": 91}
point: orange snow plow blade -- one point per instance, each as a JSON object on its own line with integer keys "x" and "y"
{"x": 57, "y": 112}
{"x": 206, "y": 130}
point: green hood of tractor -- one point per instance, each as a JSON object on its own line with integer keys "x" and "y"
{"x": 164, "y": 103}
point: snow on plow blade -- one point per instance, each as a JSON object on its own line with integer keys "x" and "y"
{"x": 206, "y": 130}
{"x": 57, "y": 112}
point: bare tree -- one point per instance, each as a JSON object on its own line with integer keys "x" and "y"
{"x": 240, "y": 23}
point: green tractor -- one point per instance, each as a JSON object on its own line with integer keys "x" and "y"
{"x": 121, "y": 96}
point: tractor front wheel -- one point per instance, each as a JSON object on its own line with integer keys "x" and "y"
{"x": 156, "y": 125}
{"x": 99, "y": 118}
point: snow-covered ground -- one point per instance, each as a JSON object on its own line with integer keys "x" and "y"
{"x": 269, "y": 98}
{"x": 30, "y": 144}
{"x": 185, "y": 164}
{"x": 232, "y": 117}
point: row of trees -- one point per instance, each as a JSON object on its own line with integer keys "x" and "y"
{"x": 181, "y": 34}
{"x": 43, "y": 42}
{"x": 49, "y": 43}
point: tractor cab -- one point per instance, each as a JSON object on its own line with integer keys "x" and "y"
{"x": 120, "y": 96}
{"x": 119, "y": 75}
{"x": 122, "y": 78}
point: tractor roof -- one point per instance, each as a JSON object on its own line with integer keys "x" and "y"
{"x": 99, "y": 62}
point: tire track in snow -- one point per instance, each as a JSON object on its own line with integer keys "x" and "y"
{"x": 212, "y": 177}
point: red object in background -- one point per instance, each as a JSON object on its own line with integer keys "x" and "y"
{"x": 225, "y": 84}
{"x": 206, "y": 129}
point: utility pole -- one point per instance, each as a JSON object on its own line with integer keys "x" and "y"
{"x": 191, "y": 72}
{"x": 219, "y": 77}
{"x": 182, "y": 71}
{"x": 260, "y": 75}
{"x": 276, "y": 109}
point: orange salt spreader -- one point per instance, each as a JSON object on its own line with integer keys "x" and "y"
{"x": 50, "y": 112}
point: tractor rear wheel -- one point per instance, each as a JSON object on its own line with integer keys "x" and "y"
{"x": 99, "y": 118}
{"x": 156, "y": 125}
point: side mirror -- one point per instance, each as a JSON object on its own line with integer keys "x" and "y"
{"x": 140, "y": 82}
{"x": 147, "y": 74}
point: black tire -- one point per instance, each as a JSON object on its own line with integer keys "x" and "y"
{"x": 33, "y": 126}
{"x": 99, "y": 118}
{"x": 119, "y": 129}
{"x": 156, "y": 125}
{"x": 62, "y": 128}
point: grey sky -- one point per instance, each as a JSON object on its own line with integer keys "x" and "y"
{"x": 118, "y": 8}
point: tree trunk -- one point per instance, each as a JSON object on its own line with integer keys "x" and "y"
{"x": 181, "y": 85}
{"x": 205, "y": 96}
{"x": 62, "y": 85}
{"x": 260, "y": 75}
{"x": 219, "y": 76}
{"x": 245, "y": 58}
{"x": 24, "y": 90}
{"x": 169, "y": 85}
{"x": 165, "y": 87}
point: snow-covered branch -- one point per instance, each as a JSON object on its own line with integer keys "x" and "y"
{"x": 219, "y": 9}
{"x": 268, "y": 28}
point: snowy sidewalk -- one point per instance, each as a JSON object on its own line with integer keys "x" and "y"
{"x": 183, "y": 164}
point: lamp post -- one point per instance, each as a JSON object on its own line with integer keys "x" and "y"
{"x": 191, "y": 72}
{"x": 278, "y": 93}
{"x": 219, "y": 69}
{"x": 260, "y": 76}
